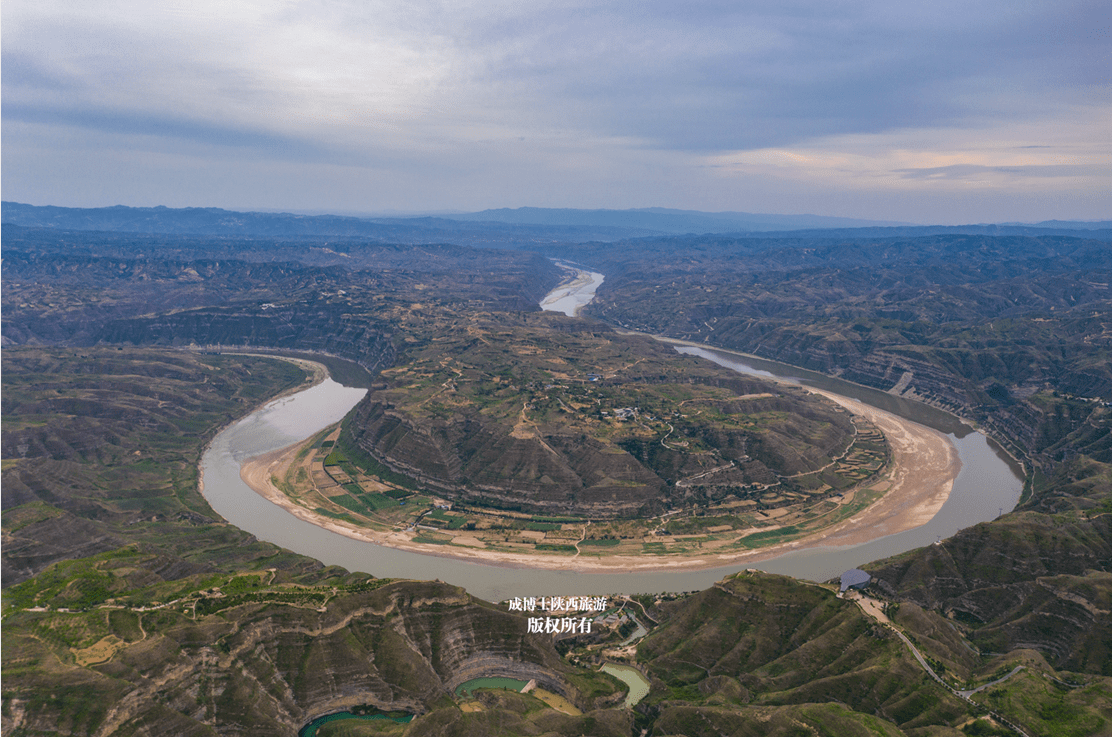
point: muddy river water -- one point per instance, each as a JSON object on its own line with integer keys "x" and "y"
{"x": 989, "y": 482}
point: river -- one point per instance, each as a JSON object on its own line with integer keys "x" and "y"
{"x": 987, "y": 483}
{"x": 574, "y": 293}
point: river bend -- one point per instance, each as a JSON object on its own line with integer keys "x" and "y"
{"x": 986, "y": 485}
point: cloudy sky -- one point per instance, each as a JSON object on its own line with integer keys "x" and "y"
{"x": 988, "y": 111}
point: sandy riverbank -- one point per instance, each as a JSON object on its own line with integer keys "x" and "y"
{"x": 318, "y": 372}
{"x": 924, "y": 467}
{"x": 574, "y": 293}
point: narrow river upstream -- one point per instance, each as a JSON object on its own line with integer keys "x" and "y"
{"x": 987, "y": 483}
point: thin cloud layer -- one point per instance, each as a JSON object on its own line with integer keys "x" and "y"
{"x": 472, "y": 105}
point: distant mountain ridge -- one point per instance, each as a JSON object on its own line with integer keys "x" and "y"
{"x": 1069, "y": 224}
{"x": 667, "y": 220}
{"x": 214, "y": 221}
{"x": 527, "y": 227}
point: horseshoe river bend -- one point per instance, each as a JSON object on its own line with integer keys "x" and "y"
{"x": 987, "y": 483}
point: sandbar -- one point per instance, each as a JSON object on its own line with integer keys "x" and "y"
{"x": 920, "y": 476}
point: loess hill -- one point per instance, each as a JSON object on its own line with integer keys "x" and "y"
{"x": 541, "y": 413}
{"x": 512, "y": 420}
{"x": 129, "y": 609}
{"x": 100, "y": 500}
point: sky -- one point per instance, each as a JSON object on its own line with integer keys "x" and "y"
{"x": 948, "y": 112}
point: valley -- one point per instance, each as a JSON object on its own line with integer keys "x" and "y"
{"x": 318, "y": 483}
{"x": 132, "y": 606}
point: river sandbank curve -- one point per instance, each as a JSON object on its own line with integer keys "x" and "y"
{"x": 920, "y": 477}
{"x": 924, "y": 466}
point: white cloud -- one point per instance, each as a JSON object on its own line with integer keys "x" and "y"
{"x": 1014, "y": 155}
{"x": 624, "y": 101}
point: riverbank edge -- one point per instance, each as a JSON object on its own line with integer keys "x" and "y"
{"x": 1019, "y": 465}
{"x": 890, "y": 514}
{"x": 318, "y": 373}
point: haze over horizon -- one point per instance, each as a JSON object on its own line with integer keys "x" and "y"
{"x": 951, "y": 114}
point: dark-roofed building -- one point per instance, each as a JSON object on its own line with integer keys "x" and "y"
{"x": 855, "y": 579}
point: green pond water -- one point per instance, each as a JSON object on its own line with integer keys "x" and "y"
{"x": 638, "y": 686}
{"x": 468, "y": 687}
{"x": 310, "y": 730}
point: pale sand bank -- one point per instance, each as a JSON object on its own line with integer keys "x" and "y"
{"x": 568, "y": 297}
{"x": 924, "y": 466}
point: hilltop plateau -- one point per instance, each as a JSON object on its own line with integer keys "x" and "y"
{"x": 541, "y": 413}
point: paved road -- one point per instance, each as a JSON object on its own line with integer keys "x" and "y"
{"x": 875, "y": 609}
{"x": 970, "y": 692}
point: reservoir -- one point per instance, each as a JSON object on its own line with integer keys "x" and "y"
{"x": 989, "y": 481}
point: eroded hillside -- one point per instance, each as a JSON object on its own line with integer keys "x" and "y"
{"x": 129, "y": 606}
{"x": 542, "y": 413}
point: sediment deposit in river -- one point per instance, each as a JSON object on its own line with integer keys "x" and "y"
{"x": 976, "y": 478}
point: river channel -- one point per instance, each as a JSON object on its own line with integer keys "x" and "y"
{"x": 988, "y": 483}
{"x": 575, "y": 293}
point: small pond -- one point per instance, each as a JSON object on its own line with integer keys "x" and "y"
{"x": 310, "y": 729}
{"x": 509, "y": 684}
{"x": 638, "y": 684}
